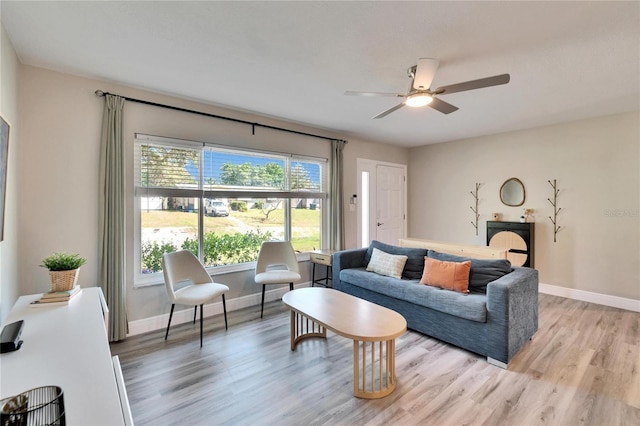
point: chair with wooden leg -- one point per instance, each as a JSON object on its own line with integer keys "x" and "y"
{"x": 277, "y": 264}
{"x": 182, "y": 267}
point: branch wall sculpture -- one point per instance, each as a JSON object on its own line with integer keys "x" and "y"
{"x": 477, "y": 215}
{"x": 556, "y": 209}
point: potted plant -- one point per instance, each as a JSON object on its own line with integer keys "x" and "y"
{"x": 63, "y": 270}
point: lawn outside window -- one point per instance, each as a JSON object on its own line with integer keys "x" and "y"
{"x": 221, "y": 203}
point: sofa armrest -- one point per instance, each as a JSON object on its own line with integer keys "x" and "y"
{"x": 512, "y": 312}
{"x": 345, "y": 259}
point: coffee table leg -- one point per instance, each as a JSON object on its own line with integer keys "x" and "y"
{"x": 374, "y": 368}
{"x": 303, "y": 328}
{"x": 293, "y": 330}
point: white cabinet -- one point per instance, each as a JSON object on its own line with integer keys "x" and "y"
{"x": 67, "y": 346}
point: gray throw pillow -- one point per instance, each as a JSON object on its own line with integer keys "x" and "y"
{"x": 414, "y": 267}
{"x": 483, "y": 271}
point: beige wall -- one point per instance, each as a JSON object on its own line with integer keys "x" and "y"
{"x": 596, "y": 163}
{"x": 9, "y": 283}
{"x": 370, "y": 151}
{"x": 62, "y": 121}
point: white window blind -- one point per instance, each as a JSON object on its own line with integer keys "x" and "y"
{"x": 191, "y": 169}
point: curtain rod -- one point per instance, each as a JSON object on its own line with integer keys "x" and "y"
{"x": 221, "y": 117}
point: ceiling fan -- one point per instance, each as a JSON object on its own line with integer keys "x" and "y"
{"x": 421, "y": 94}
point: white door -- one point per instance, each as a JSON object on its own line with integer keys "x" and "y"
{"x": 381, "y": 202}
{"x": 390, "y": 206}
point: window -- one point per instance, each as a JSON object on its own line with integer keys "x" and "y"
{"x": 221, "y": 203}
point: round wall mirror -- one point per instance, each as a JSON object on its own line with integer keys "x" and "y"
{"x": 512, "y": 192}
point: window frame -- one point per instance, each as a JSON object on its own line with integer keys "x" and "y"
{"x": 201, "y": 194}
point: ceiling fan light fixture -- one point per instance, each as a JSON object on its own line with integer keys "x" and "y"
{"x": 418, "y": 100}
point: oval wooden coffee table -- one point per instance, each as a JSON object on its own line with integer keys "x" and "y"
{"x": 373, "y": 329}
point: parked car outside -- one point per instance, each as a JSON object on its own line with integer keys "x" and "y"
{"x": 215, "y": 208}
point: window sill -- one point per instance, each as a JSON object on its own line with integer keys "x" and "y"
{"x": 157, "y": 278}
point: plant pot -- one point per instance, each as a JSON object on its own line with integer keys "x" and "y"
{"x": 63, "y": 280}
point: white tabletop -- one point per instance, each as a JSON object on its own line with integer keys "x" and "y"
{"x": 66, "y": 346}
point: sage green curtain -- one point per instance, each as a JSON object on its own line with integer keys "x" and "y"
{"x": 112, "y": 278}
{"x": 336, "y": 237}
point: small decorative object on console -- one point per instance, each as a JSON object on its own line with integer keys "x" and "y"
{"x": 63, "y": 270}
{"x": 56, "y": 297}
{"x": 10, "y": 337}
{"x": 39, "y": 406}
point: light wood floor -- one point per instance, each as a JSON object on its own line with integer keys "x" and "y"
{"x": 581, "y": 368}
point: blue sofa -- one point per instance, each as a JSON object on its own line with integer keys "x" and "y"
{"x": 495, "y": 319}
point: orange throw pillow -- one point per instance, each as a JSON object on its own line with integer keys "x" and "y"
{"x": 448, "y": 275}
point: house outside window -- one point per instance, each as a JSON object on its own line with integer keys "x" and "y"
{"x": 221, "y": 203}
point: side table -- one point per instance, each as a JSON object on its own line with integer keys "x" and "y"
{"x": 321, "y": 257}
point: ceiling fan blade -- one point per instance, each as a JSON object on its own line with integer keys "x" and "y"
{"x": 496, "y": 80}
{"x": 425, "y": 71}
{"x": 389, "y": 111}
{"x": 395, "y": 95}
{"x": 442, "y": 106}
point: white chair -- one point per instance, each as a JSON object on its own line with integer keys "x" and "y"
{"x": 277, "y": 264}
{"x": 183, "y": 267}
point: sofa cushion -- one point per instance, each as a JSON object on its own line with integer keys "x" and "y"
{"x": 472, "y": 307}
{"x": 415, "y": 258}
{"x": 386, "y": 264}
{"x": 483, "y": 271}
{"x": 448, "y": 275}
{"x": 388, "y": 286}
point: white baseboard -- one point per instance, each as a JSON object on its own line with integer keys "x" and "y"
{"x": 587, "y": 296}
{"x": 159, "y": 322}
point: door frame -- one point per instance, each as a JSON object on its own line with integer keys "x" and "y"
{"x": 368, "y": 165}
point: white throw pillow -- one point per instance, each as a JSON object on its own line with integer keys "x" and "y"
{"x": 386, "y": 264}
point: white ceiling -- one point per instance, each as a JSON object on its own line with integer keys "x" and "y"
{"x": 294, "y": 60}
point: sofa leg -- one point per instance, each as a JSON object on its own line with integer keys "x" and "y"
{"x": 497, "y": 363}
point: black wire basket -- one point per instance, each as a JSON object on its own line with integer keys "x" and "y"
{"x": 35, "y": 407}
